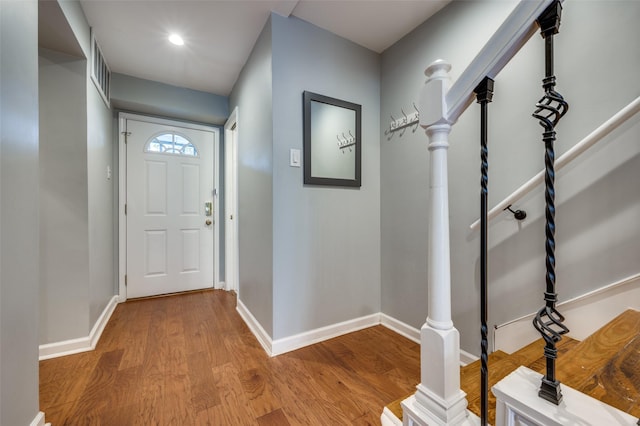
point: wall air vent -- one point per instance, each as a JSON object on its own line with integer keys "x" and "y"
{"x": 100, "y": 72}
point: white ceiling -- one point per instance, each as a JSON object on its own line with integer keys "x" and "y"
{"x": 219, "y": 35}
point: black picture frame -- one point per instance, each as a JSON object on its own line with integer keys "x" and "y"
{"x": 328, "y": 159}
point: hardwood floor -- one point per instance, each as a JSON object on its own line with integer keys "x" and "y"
{"x": 191, "y": 360}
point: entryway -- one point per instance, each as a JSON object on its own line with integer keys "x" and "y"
{"x": 170, "y": 206}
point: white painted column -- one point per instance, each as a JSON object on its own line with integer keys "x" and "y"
{"x": 438, "y": 399}
{"x": 439, "y": 273}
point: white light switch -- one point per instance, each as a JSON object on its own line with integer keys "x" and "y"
{"x": 294, "y": 157}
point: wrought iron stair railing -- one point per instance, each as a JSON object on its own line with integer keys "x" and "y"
{"x": 438, "y": 399}
{"x": 548, "y": 321}
{"x": 484, "y": 94}
{"x": 549, "y": 110}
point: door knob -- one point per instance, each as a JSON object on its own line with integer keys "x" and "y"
{"x": 207, "y": 222}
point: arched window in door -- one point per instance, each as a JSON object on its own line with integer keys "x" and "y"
{"x": 171, "y": 143}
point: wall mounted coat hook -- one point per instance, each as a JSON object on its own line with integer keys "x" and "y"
{"x": 403, "y": 122}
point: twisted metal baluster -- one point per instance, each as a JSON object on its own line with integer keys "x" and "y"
{"x": 484, "y": 95}
{"x": 549, "y": 110}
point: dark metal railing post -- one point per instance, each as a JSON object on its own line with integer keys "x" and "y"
{"x": 549, "y": 110}
{"x": 484, "y": 95}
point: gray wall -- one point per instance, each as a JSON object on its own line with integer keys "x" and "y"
{"x": 252, "y": 94}
{"x": 19, "y": 270}
{"x": 77, "y": 211}
{"x": 150, "y": 97}
{"x": 64, "y": 218}
{"x": 598, "y": 208}
{"x": 309, "y": 255}
{"x": 326, "y": 247}
{"x": 102, "y": 276}
{"x": 404, "y": 156}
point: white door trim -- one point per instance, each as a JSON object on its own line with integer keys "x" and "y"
{"x": 122, "y": 193}
{"x": 231, "y": 201}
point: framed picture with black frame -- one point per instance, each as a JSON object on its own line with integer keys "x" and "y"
{"x": 332, "y": 141}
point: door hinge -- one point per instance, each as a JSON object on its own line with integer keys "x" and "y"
{"x": 126, "y": 134}
{"x": 125, "y": 209}
{"x": 125, "y": 280}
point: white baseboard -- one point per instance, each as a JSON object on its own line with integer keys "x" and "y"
{"x": 102, "y": 321}
{"x": 291, "y": 343}
{"x": 413, "y": 334}
{"x": 307, "y": 338}
{"x": 466, "y": 358}
{"x": 584, "y": 315}
{"x": 81, "y": 344}
{"x": 39, "y": 420}
{"x": 400, "y": 327}
{"x": 263, "y": 337}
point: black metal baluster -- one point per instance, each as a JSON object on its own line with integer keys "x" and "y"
{"x": 484, "y": 95}
{"x": 549, "y": 110}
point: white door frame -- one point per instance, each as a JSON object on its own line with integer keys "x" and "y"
{"x": 231, "y": 257}
{"x": 122, "y": 193}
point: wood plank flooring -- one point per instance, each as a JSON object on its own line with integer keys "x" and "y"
{"x": 190, "y": 360}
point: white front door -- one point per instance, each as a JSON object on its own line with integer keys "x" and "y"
{"x": 169, "y": 208}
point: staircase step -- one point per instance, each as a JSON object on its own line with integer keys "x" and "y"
{"x": 532, "y": 355}
{"x": 606, "y": 365}
{"x": 469, "y": 377}
{"x": 501, "y": 367}
{"x": 396, "y": 408}
{"x": 471, "y": 372}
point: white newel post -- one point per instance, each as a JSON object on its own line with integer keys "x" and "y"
{"x": 438, "y": 399}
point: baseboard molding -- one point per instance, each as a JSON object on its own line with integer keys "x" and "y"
{"x": 263, "y": 337}
{"x": 39, "y": 420}
{"x": 291, "y": 343}
{"x": 81, "y": 344}
{"x": 413, "y": 334}
{"x": 101, "y": 323}
{"x": 466, "y": 358}
{"x": 400, "y": 327}
{"x": 301, "y": 340}
{"x": 583, "y": 315}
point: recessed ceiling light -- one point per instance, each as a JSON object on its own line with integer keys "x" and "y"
{"x": 176, "y": 39}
